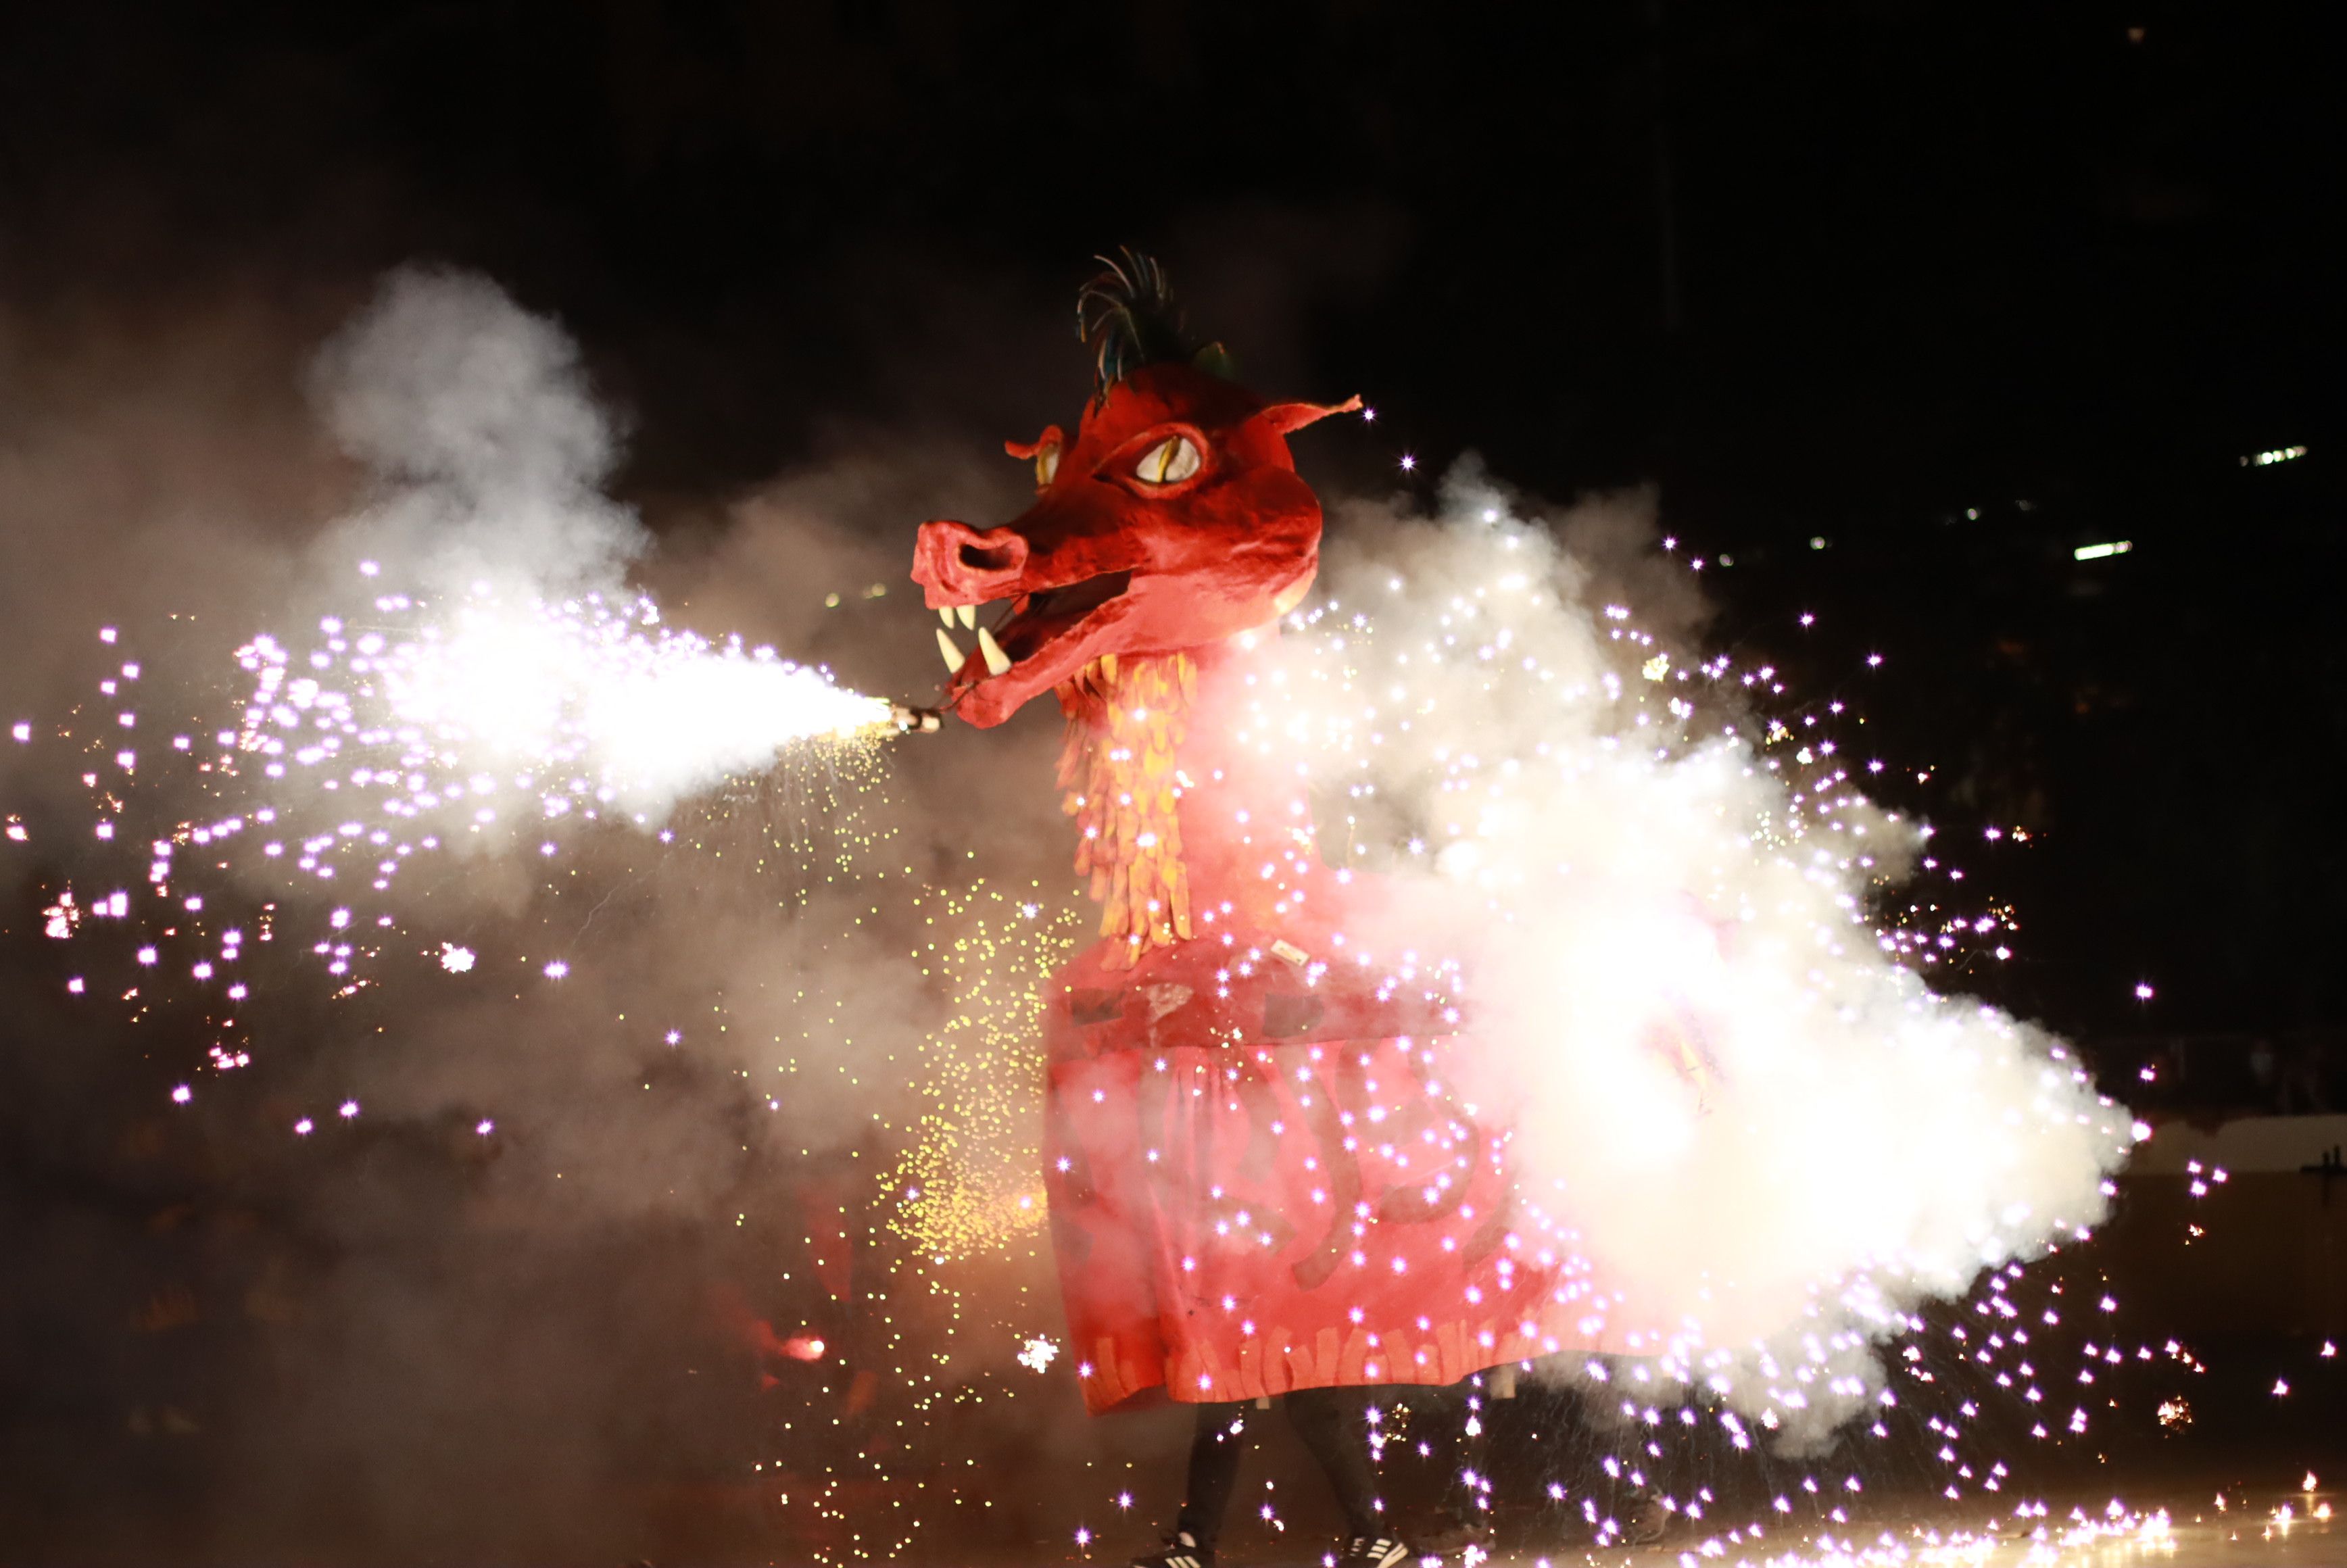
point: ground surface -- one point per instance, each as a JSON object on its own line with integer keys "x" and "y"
{"x": 2175, "y": 1531}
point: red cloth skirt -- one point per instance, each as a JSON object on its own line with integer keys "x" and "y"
{"x": 1260, "y": 1179}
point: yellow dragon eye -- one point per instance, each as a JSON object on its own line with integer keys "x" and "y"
{"x": 1169, "y": 462}
{"x": 1047, "y": 464}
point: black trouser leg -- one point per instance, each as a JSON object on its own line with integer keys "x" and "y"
{"x": 1215, "y": 1448}
{"x": 1333, "y": 1425}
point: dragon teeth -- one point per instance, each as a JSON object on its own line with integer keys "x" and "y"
{"x": 953, "y": 655}
{"x": 997, "y": 660}
{"x": 969, "y": 614}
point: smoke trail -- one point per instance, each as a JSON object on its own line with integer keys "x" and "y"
{"x": 497, "y": 645}
{"x": 491, "y": 683}
{"x": 1773, "y": 1138}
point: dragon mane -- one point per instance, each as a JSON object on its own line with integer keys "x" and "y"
{"x": 1128, "y": 317}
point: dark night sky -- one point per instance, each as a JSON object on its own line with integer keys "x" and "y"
{"x": 1916, "y": 250}
{"x": 1950, "y": 289}
{"x": 1839, "y": 270}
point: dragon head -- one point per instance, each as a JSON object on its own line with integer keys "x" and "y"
{"x": 1173, "y": 519}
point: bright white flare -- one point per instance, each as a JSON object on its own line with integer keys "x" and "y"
{"x": 419, "y": 725}
{"x": 651, "y": 713}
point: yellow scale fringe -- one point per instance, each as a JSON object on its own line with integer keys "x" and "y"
{"x": 1126, "y": 721}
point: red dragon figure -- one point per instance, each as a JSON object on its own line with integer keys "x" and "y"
{"x": 1259, "y": 1178}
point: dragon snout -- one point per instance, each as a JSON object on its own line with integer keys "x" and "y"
{"x": 958, "y": 564}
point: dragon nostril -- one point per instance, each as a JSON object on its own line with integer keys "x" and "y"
{"x": 978, "y": 557}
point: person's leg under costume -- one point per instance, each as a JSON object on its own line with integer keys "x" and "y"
{"x": 1332, "y": 1425}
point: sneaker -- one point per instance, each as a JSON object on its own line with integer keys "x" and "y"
{"x": 1372, "y": 1551}
{"x": 1179, "y": 1552}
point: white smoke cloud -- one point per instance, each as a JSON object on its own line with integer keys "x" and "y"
{"x": 486, "y": 443}
{"x": 1773, "y": 1140}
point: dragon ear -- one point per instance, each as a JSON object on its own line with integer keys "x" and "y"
{"x": 1052, "y": 437}
{"x": 1285, "y": 418}
{"x": 1044, "y": 450}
